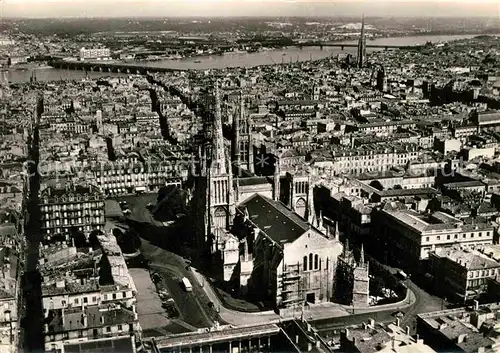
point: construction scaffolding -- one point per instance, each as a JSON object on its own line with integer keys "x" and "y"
{"x": 292, "y": 285}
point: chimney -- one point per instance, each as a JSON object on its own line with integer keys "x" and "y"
{"x": 476, "y": 305}
{"x": 407, "y": 330}
{"x": 398, "y": 322}
{"x": 296, "y": 339}
{"x": 309, "y": 346}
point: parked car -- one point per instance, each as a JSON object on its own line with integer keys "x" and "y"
{"x": 155, "y": 277}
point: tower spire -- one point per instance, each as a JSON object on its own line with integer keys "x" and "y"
{"x": 362, "y": 45}
{"x": 276, "y": 180}
{"x": 236, "y": 136}
{"x": 311, "y": 212}
{"x": 218, "y": 155}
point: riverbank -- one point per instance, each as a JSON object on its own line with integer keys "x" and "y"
{"x": 235, "y": 59}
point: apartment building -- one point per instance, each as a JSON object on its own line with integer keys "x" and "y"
{"x": 137, "y": 176}
{"x": 372, "y": 158}
{"x": 87, "y": 297}
{"x": 408, "y": 237}
{"x": 94, "y": 53}
{"x": 9, "y": 293}
{"x": 69, "y": 208}
{"x": 465, "y": 273}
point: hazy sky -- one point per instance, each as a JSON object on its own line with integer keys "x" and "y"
{"x": 174, "y": 8}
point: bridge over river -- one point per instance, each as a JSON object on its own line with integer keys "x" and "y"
{"x": 351, "y": 45}
{"x": 140, "y": 68}
{"x": 105, "y": 66}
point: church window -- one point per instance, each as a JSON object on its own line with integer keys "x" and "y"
{"x": 316, "y": 262}
{"x": 220, "y": 218}
{"x": 305, "y": 263}
{"x": 310, "y": 262}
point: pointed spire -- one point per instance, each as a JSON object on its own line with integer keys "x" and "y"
{"x": 311, "y": 213}
{"x": 337, "y": 232}
{"x": 276, "y": 180}
{"x": 237, "y": 190}
{"x": 236, "y": 137}
{"x": 242, "y": 107}
{"x": 218, "y": 154}
{"x": 362, "y": 255}
{"x": 320, "y": 220}
{"x": 362, "y": 44}
{"x": 363, "y": 25}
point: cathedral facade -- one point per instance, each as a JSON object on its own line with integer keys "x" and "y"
{"x": 261, "y": 232}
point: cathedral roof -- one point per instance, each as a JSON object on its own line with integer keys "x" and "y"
{"x": 256, "y": 180}
{"x": 275, "y": 219}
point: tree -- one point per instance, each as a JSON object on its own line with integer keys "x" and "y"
{"x": 376, "y": 286}
{"x": 377, "y": 185}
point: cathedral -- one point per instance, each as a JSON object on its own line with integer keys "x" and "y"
{"x": 261, "y": 233}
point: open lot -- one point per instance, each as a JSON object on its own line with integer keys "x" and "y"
{"x": 149, "y": 305}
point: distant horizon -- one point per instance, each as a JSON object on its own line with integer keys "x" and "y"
{"x": 53, "y": 9}
{"x": 215, "y": 17}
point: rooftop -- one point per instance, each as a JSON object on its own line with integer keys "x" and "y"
{"x": 468, "y": 328}
{"x": 275, "y": 219}
{"x": 94, "y": 316}
{"x": 108, "y": 345}
{"x": 216, "y": 335}
{"x": 471, "y": 260}
{"x": 438, "y": 221}
{"x": 384, "y": 338}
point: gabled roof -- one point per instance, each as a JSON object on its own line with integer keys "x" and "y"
{"x": 275, "y": 219}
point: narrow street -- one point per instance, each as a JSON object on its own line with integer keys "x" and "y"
{"x": 33, "y": 328}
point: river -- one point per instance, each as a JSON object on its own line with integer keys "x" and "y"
{"x": 236, "y": 59}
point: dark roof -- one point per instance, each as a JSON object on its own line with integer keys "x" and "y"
{"x": 407, "y": 192}
{"x": 118, "y": 345}
{"x": 275, "y": 219}
{"x": 253, "y": 181}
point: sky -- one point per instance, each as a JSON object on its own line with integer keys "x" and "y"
{"x": 223, "y": 8}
